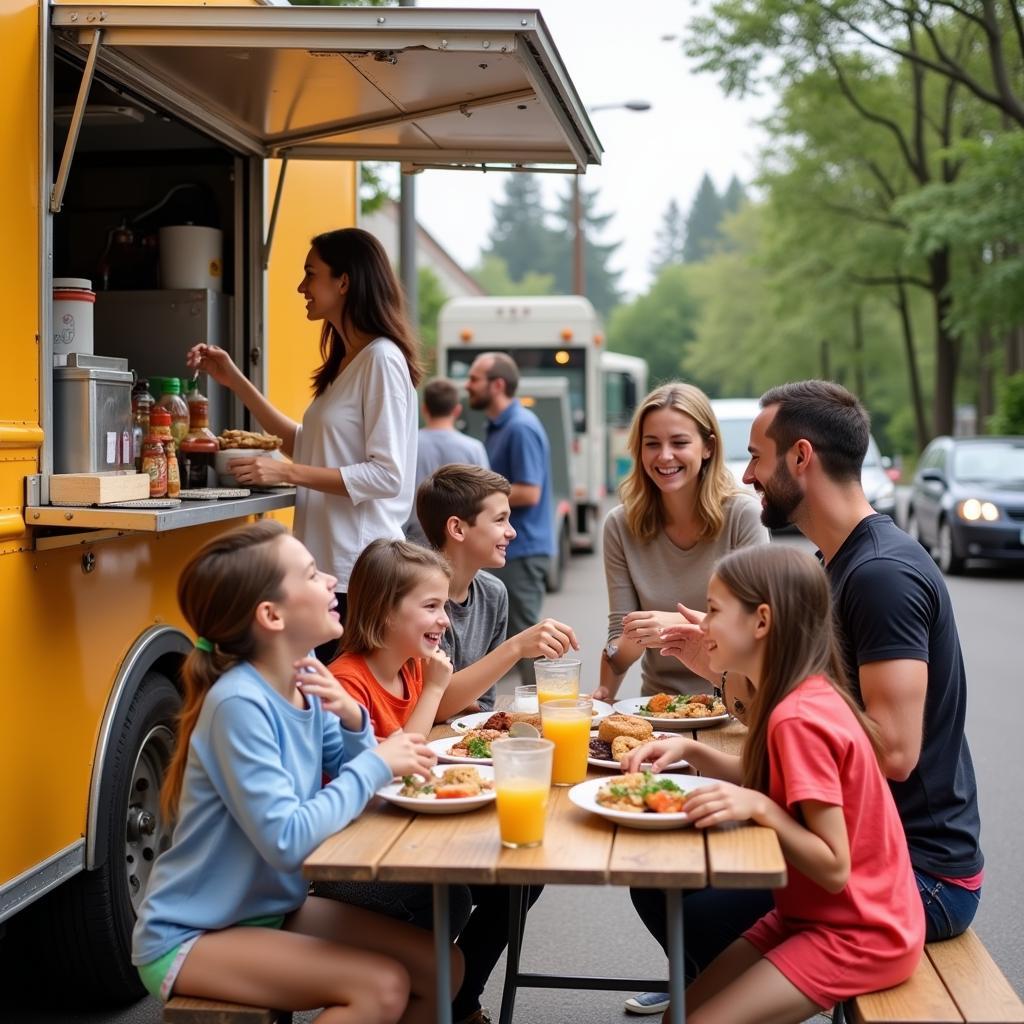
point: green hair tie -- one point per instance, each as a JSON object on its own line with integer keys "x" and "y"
{"x": 203, "y": 644}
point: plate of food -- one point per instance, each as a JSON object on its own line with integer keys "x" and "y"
{"x": 640, "y": 799}
{"x": 472, "y": 747}
{"x": 504, "y": 719}
{"x": 447, "y": 791}
{"x": 676, "y": 710}
{"x": 620, "y": 740}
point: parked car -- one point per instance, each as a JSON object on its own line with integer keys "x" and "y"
{"x": 735, "y": 415}
{"x": 967, "y": 500}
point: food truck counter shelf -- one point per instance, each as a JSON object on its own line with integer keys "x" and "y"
{"x": 157, "y": 520}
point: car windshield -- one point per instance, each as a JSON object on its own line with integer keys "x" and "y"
{"x": 996, "y": 462}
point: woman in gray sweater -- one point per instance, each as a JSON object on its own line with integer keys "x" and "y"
{"x": 681, "y": 511}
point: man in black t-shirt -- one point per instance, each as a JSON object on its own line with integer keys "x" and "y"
{"x": 901, "y": 649}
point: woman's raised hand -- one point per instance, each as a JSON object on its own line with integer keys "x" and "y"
{"x": 685, "y": 640}
{"x": 215, "y": 361}
{"x": 646, "y": 628}
{"x": 314, "y": 679}
{"x": 406, "y": 753}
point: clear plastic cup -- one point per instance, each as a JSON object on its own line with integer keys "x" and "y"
{"x": 526, "y": 699}
{"x": 567, "y": 724}
{"x": 522, "y": 782}
{"x": 557, "y": 678}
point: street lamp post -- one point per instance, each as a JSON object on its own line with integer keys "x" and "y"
{"x": 579, "y": 266}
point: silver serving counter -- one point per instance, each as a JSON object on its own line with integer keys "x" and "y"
{"x": 157, "y": 520}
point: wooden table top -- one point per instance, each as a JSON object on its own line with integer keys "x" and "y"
{"x": 389, "y": 844}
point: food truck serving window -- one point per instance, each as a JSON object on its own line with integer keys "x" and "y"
{"x": 423, "y": 86}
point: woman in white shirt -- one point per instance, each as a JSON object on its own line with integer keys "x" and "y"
{"x": 354, "y": 454}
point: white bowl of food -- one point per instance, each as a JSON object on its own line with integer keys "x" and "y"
{"x": 222, "y": 462}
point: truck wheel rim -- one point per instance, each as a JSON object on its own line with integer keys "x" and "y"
{"x": 145, "y": 835}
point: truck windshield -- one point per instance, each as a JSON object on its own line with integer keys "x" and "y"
{"x": 568, "y": 363}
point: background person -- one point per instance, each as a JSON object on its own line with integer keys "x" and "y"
{"x": 354, "y": 454}
{"x": 439, "y": 443}
{"x": 226, "y": 914}
{"x": 518, "y": 449}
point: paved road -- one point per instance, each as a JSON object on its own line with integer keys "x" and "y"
{"x": 594, "y": 930}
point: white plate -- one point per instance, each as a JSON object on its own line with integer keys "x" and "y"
{"x": 442, "y": 746}
{"x": 600, "y": 762}
{"x": 431, "y": 805}
{"x": 477, "y": 719}
{"x": 584, "y": 795}
{"x": 631, "y": 706}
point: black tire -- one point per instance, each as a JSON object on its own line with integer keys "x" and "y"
{"x": 951, "y": 563}
{"x": 86, "y": 924}
{"x": 560, "y": 563}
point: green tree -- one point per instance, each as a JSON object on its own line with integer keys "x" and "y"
{"x": 492, "y": 275}
{"x": 734, "y": 196}
{"x": 520, "y": 236}
{"x": 659, "y": 325}
{"x": 1010, "y": 417}
{"x": 669, "y": 240}
{"x": 702, "y": 222}
{"x": 432, "y": 297}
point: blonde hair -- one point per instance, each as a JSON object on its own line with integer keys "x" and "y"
{"x": 383, "y": 574}
{"x": 641, "y": 499}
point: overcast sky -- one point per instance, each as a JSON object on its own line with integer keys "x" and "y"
{"x": 614, "y": 52}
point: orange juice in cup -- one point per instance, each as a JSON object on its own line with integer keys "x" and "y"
{"x": 522, "y": 783}
{"x": 567, "y": 724}
{"x": 557, "y": 678}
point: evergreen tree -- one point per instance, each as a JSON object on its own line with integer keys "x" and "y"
{"x": 520, "y": 238}
{"x": 702, "y": 222}
{"x": 670, "y": 239}
{"x": 734, "y": 196}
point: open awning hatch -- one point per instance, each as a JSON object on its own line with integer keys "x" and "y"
{"x": 425, "y": 87}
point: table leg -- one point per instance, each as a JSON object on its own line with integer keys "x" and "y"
{"x": 676, "y": 963}
{"x": 442, "y": 955}
{"x": 517, "y": 904}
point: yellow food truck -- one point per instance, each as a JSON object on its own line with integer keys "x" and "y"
{"x": 117, "y": 120}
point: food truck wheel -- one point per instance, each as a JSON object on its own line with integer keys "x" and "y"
{"x": 86, "y": 924}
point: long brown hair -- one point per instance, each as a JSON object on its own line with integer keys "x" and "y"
{"x": 383, "y": 574}
{"x": 641, "y": 499}
{"x": 800, "y": 643}
{"x": 374, "y": 303}
{"x": 218, "y": 592}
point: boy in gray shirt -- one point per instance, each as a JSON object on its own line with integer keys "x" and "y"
{"x": 464, "y": 513}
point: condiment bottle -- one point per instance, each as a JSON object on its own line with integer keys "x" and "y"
{"x": 172, "y": 401}
{"x": 142, "y": 404}
{"x": 154, "y": 462}
{"x": 173, "y": 473}
{"x": 160, "y": 423}
{"x": 199, "y": 447}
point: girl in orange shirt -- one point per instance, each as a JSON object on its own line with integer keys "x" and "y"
{"x": 390, "y": 660}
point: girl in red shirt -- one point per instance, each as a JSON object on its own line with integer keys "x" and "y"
{"x": 850, "y": 919}
{"x": 390, "y": 659}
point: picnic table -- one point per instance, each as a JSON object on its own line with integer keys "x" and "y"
{"x": 388, "y": 844}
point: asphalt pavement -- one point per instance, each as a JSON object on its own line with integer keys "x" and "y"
{"x": 594, "y": 930}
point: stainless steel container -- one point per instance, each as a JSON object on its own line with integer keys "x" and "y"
{"x": 92, "y": 415}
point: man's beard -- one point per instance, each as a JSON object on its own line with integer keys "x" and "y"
{"x": 781, "y": 498}
{"x": 479, "y": 401}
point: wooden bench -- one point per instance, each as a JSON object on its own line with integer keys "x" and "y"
{"x": 957, "y": 982}
{"x": 186, "y": 1010}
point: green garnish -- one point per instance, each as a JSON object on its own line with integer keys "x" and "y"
{"x": 478, "y": 747}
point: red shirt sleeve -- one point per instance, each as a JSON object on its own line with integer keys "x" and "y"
{"x": 805, "y": 759}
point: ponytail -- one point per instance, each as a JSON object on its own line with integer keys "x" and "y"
{"x": 219, "y": 591}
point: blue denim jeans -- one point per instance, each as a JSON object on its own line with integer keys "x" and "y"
{"x": 948, "y": 909}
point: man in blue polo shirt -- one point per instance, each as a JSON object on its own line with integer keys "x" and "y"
{"x": 518, "y": 449}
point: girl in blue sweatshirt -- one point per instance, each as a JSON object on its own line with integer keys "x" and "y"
{"x": 226, "y": 914}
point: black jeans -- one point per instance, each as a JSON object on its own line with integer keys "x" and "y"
{"x": 482, "y": 942}
{"x": 713, "y": 919}
{"x": 326, "y": 652}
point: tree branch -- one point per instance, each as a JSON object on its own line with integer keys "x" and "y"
{"x": 859, "y": 214}
{"x": 870, "y": 115}
{"x": 995, "y": 49}
{"x": 963, "y": 11}
{"x": 897, "y": 280}
{"x": 881, "y": 179}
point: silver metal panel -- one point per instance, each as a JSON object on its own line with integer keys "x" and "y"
{"x": 41, "y": 878}
{"x": 92, "y": 420}
{"x": 149, "y": 520}
{"x": 416, "y": 85}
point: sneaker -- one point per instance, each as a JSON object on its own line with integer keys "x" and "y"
{"x": 647, "y": 1002}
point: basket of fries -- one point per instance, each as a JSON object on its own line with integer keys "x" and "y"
{"x": 242, "y": 444}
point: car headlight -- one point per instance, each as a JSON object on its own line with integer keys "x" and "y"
{"x": 972, "y": 510}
